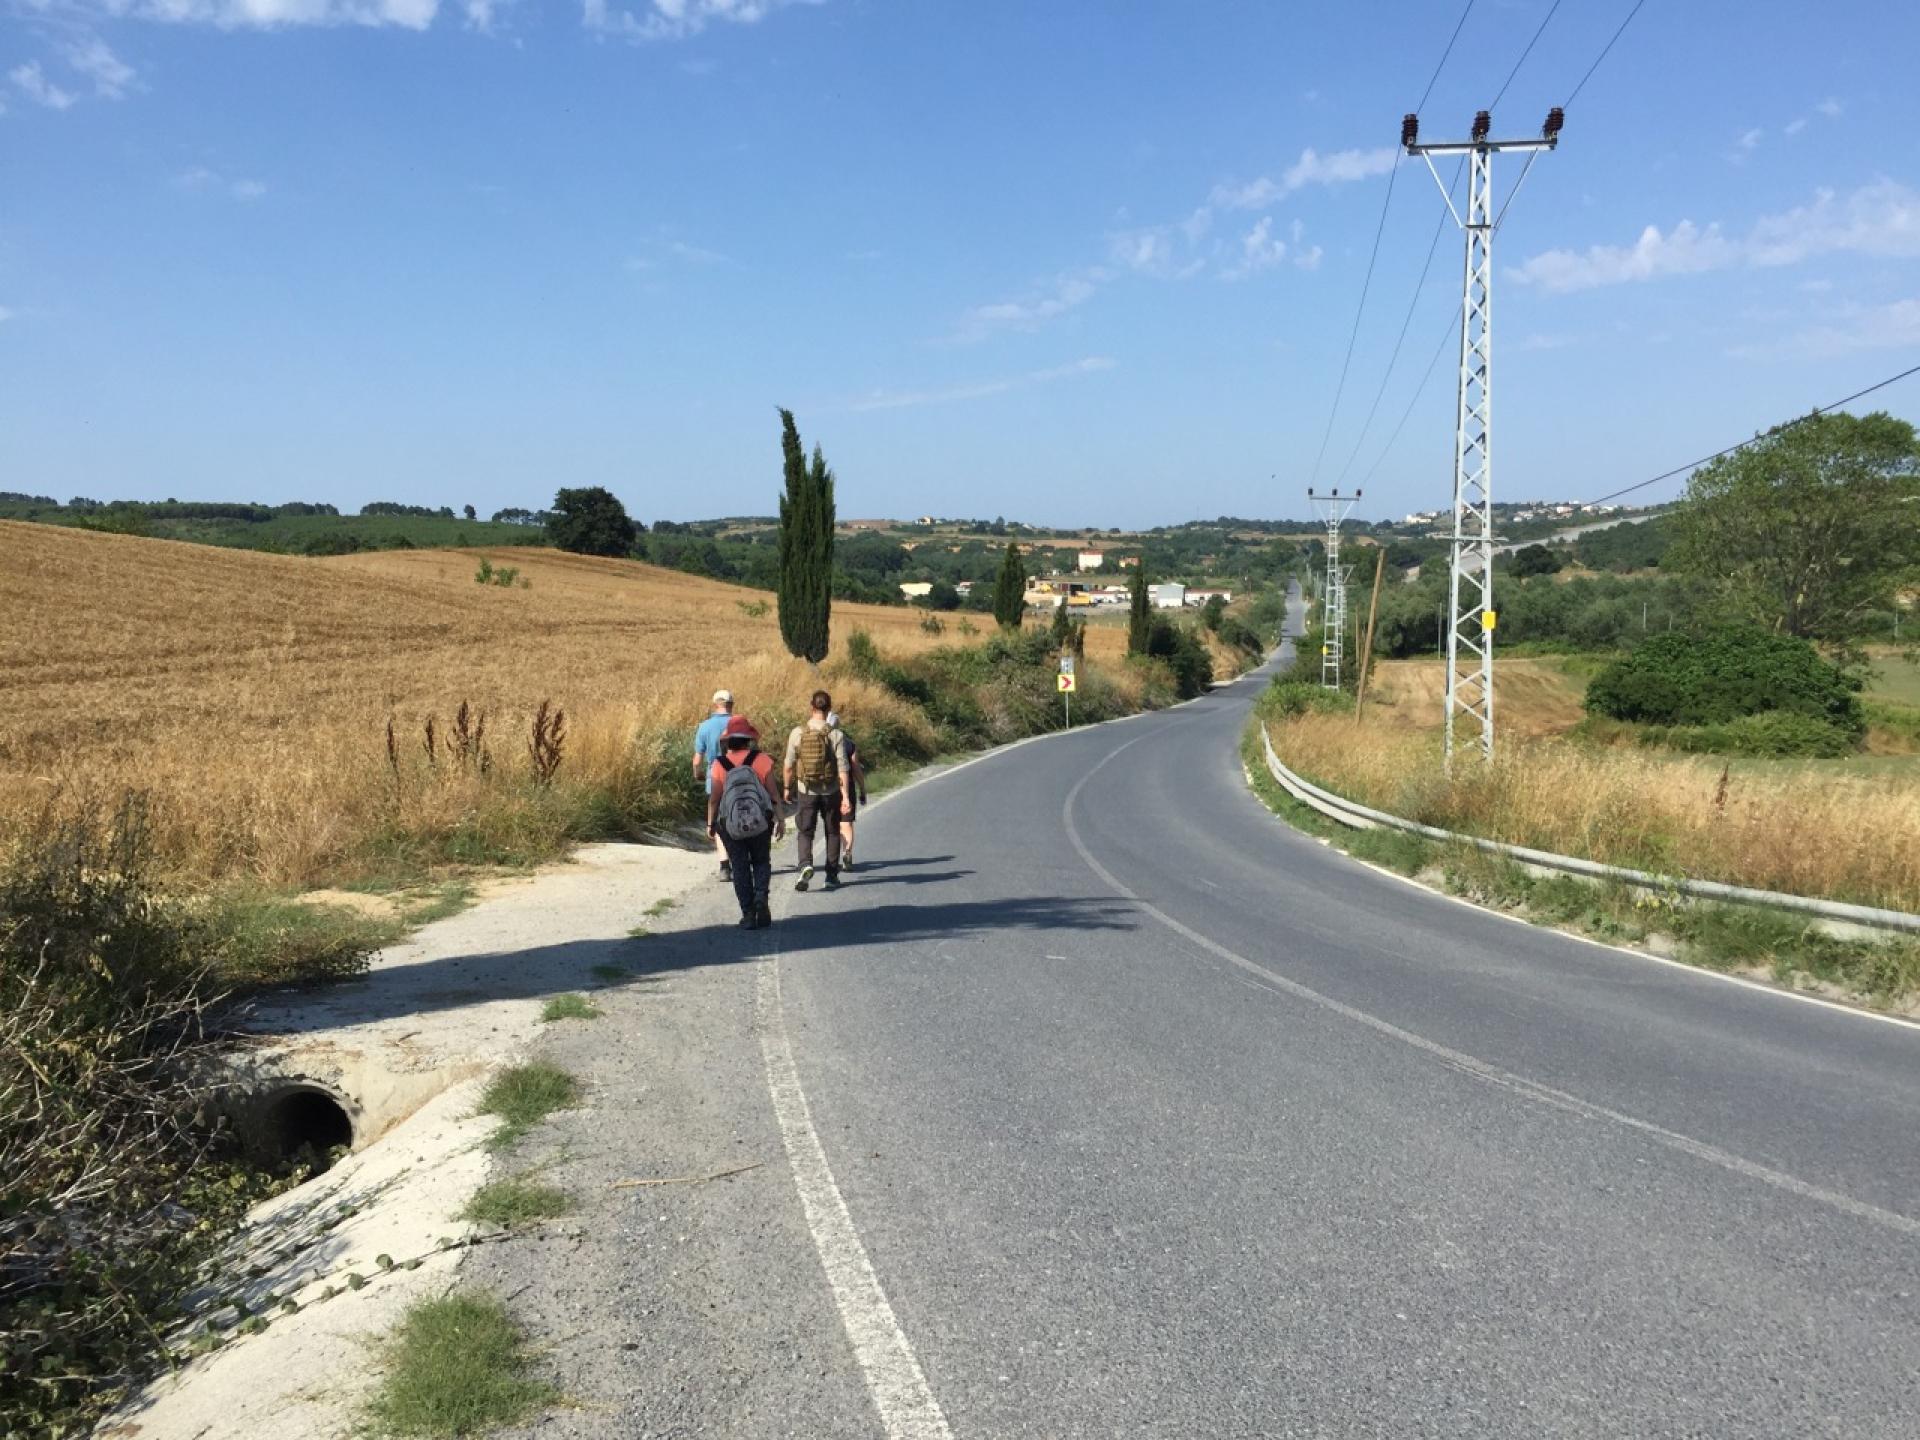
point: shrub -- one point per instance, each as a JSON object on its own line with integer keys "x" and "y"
{"x": 1286, "y": 698}
{"x": 1185, "y": 655}
{"x": 1722, "y": 675}
{"x": 107, "y": 1175}
{"x": 1774, "y": 733}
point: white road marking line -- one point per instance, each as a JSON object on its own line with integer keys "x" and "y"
{"x": 1474, "y": 1066}
{"x": 1698, "y": 972}
{"x": 905, "y": 1405}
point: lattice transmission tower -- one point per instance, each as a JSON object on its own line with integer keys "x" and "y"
{"x": 1470, "y": 588}
{"x": 1333, "y": 603}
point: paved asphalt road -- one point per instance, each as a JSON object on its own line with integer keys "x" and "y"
{"x": 1148, "y": 1115}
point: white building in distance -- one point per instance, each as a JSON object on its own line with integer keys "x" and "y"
{"x": 1092, "y": 559}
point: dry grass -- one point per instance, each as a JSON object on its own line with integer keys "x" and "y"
{"x": 1536, "y": 697}
{"x": 1803, "y": 831}
{"x": 251, "y": 693}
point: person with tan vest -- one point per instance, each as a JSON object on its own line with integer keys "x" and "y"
{"x": 818, "y": 781}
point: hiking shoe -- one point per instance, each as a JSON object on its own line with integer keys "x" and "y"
{"x": 806, "y": 878}
{"x": 747, "y": 921}
{"x": 833, "y": 879}
{"x": 762, "y": 916}
{"x": 726, "y": 870}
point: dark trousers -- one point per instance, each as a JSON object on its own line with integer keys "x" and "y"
{"x": 811, "y": 810}
{"x": 752, "y": 861}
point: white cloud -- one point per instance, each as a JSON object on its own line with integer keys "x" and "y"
{"x": 677, "y": 19}
{"x": 1747, "y": 144}
{"x": 1309, "y": 259}
{"x": 28, "y": 80}
{"x": 1066, "y": 293}
{"x": 1312, "y": 168}
{"x": 1795, "y": 126}
{"x": 1258, "y": 251}
{"x": 1830, "y": 108}
{"x": 1882, "y": 219}
{"x": 201, "y": 180}
{"x": 112, "y": 77}
{"x": 901, "y": 400}
{"x": 1851, "y": 328}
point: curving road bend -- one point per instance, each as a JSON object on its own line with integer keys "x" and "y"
{"x": 1141, "y": 1113}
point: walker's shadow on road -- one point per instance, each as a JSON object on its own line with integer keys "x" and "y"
{"x": 820, "y": 921}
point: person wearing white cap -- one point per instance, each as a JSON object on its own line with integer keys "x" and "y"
{"x": 706, "y": 750}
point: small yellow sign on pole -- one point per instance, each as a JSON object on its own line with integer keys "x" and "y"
{"x": 1487, "y": 618}
{"x": 1066, "y": 684}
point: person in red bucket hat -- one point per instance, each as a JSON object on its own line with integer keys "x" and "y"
{"x": 744, "y": 813}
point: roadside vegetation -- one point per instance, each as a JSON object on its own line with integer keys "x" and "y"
{"x": 1785, "y": 948}
{"x": 117, "y": 1178}
{"x": 1735, "y": 715}
{"x": 456, "y": 1366}
{"x": 521, "y": 1097}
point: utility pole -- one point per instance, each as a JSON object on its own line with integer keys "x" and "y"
{"x": 1470, "y": 588}
{"x": 1333, "y": 603}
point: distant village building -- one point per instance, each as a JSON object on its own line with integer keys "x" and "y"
{"x": 1170, "y": 596}
{"x": 916, "y": 589}
{"x": 1092, "y": 559}
{"x": 1201, "y": 597}
{"x": 1129, "y": 562}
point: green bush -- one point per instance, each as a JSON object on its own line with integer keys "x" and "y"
{"x": 1777, "y": 734}
{"x": 1185, "y": 655}
{"x": 1725, "y": 674}
{"x": 111, "y": 1182}
{"x": 1286, "y": 697}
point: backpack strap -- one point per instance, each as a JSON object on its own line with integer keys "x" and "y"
{"x": 725, "y": 764}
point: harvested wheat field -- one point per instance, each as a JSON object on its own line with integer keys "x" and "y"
{"x": 1536, "y": 697}
{"x": 1804, "y": 827}
{"x": 251, "y": 694}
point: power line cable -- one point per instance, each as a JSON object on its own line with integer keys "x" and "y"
{"x": 1393, "y": 360}
{"x": 1366, "y": 285}
{"x": 1443, "y": 57}
{"x": 1603, "y": 54}
{"x": 1453, "y": 321}
{"x": 1524, "y": 53}
{"x": 1784, "y": 425}
{"x": 1359, "y": 312}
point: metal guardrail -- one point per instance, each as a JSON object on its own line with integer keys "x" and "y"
{"x": 1361, "y": 817}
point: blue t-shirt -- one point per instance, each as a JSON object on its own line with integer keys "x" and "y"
{"x": 706, "y": 742}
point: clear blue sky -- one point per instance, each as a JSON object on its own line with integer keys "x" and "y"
{"x": 1071, "y": 262}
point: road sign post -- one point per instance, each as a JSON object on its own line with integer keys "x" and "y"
{"x": 1066, "y": 686}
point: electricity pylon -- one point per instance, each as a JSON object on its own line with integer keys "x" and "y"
{"x": 1470, "y": 587}
{"x": 1333, "y": 604}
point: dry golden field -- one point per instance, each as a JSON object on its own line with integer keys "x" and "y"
{"x": 250, "y": 693}
{"x": 1843, "y": 829}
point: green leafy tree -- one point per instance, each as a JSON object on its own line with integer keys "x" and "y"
{"x": 591, "y": 521}
{"x": 1213, "y": 612}
{"x": 1061, "y": 631}
{"x": 1809, "y": 530}
{"x": 1010, "y": 589}
{"x": 1140, "y": 615}
{"x": 1536, "y": 560}
{"x": 806, "y": 547}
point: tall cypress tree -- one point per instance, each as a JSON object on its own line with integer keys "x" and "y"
{"x": 1010, "y": 589}
{"x": 1139, "y": 617}
{"x": 806, "y": 547}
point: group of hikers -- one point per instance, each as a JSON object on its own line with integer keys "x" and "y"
{"x": 747, "y": 798}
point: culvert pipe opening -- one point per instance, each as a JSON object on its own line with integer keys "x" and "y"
{"x": 304, "y": 1122}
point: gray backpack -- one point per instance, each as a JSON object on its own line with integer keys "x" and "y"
{"x": 744, "y": 810}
